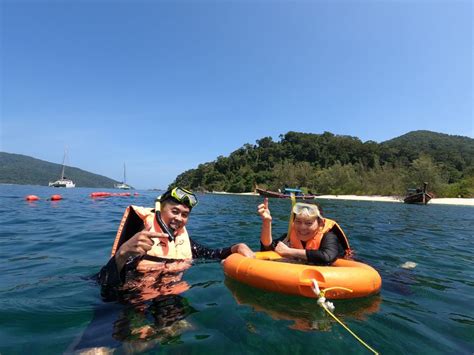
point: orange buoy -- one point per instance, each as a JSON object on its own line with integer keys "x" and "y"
{"x": 56, "y": 198}
{"x": 32, "y": 198}
{"x": 100, "y": 194}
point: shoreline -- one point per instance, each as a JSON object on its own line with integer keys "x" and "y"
{"x": 433, "y": 201}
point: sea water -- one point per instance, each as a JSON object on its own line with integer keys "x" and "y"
{"x": 50, "y": 303}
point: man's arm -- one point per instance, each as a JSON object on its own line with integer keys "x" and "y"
{"x": 200, "y": 251}
{"x": 139, "y": 244}
{"x": 110, "y": 279}
{"x": 112, "y": 275}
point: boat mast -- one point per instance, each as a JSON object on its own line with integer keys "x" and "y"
{"x": 64, "y": 162}
{"x": 124, "y": 174}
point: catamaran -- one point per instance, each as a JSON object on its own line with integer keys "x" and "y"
{"x": 63, "y": 180}
{"x": 123, "y": 185}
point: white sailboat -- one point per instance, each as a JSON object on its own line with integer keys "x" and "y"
{"x": 123, "y": 185}
{"x": 63, "y": 180}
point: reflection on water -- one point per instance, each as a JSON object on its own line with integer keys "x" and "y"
{"x": 304, "y": 313}
{"x": 152, "y": 312}
{"x": 152, "y": 280}
{"x": 47, "y": 300}
{"x": 161, "y": 322}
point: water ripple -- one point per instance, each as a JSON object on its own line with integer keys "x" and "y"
{"x": 52, "y": 249}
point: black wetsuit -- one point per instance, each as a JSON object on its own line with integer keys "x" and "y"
{"x": 329, "y": 250}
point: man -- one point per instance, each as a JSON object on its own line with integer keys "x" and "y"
{"x": 151, "y": 251}
{"x": 150, "y": 242}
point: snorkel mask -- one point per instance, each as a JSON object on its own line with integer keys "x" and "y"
{"x": 305, "y": 209}
{"x": 181, "y": 196}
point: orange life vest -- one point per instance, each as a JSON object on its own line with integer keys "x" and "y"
{"x": 136, "y": 219}
{"x": 158, "y": 276}
{"x": 315, "y": 242}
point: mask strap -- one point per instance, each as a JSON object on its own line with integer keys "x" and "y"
{"x": 292, "y": 217}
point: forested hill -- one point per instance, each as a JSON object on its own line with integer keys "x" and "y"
{"x": 25, "y": 170}
{"x": 328, "y": 163}
{"x": 455, "y": 151}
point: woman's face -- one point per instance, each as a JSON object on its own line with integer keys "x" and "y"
{"x": 305, "y": 226}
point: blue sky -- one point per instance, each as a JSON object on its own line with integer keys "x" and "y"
{"x": 166, "y": 85}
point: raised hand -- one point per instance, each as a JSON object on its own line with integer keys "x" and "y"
{"x": 139, "y": 244}
{"x": 264, "y": 211}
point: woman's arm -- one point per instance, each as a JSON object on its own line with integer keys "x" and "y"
{"x": 266, "y": 231}
{"x": 328, "y": 251}
{"x": 287, "y": 252}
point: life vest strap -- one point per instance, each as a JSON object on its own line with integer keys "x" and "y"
{"x": 159, "y": 259}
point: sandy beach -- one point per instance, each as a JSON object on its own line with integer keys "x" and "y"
{"x": 233, "y": 193}
{"x": 434, "y": 201}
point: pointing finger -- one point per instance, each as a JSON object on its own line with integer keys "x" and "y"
{"x": 150, "y": 234}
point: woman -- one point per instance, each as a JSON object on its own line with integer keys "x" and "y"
{"x": 312, "y": 238}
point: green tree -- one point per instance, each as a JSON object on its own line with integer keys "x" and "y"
{"x": 423, "y": 170}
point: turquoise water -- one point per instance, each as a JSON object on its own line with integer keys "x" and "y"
{"x": 49, "y": 303}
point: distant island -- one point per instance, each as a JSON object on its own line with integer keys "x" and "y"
{"x": 24, "y": 170}
{"x": 343, "y": 165}
{"x": 324, "y": 164}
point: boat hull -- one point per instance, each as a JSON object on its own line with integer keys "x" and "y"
{"x": 274, "y": 194}
{"x": 62, "y": 183}
{"x": 421, "y": 198}
{"x": 296, "y": 279}
{"x": 123, "y": 186}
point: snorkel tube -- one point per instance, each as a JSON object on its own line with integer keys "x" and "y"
{"x": 292, "y": 216}
{"x": 164, "y": 227}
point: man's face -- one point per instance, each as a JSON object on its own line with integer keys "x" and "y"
{"x": 174, "y": 215}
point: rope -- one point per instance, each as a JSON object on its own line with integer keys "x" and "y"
{"x": 326, "y": 305}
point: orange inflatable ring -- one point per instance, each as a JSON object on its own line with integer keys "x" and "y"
{"x": 266, "y": 272}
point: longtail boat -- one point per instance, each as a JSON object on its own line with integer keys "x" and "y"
{"x": 285, "y": 194}
{"x": 418, "y": 196}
